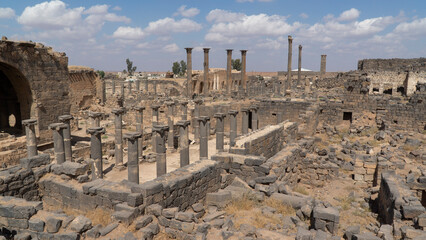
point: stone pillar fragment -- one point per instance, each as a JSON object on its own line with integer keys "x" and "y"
{"x": 103, "y": 91}
{"x": 243, "y": 71}
{"x": 129, "y": 84}
{"x": 138, "y": 85}
{"x": 245, "y": 121}
{"x": 220, "y": 128}
{"x": 170, "y": 123}
{"x": 113, "y": 86}
{"x": 96, "y": 151}
{"x": 184, "y": 110}
{"x": 323, "y": 66}
{"x": 139, "y": 128}
{"x": 299, "y": 66}
{"x": 122, "y": 90}
{"x": 287, "y": 85}
{"x": 118, "y": 124}
{"x": 146, "y": 86}
{"x": 206, "y": 72}
{"x": 254, "y": 118}
{"x": 155, "y": 88}
{"x": 204, "y": 137}
{"x": 133, "y": 156}
{"x": 198, "y": 103}
{"x": 229, "y": 85}
{"x": 183, "y": 142}
{"x": 31, "y": 136}
{"x": 58, "y": 141}
{"x": 188, "y": 72}
{"x": 233, "y": 127}
{"x": 307, "y": 87}
{"x": 160, "y": 133}
{"x": 95, "y": 118}
{"x": 154, "y": 122}
{"x": 65, "y": 119}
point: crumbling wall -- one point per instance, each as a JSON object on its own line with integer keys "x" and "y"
{"x": 394, "y": 64}
{"x": 84, "y": 84}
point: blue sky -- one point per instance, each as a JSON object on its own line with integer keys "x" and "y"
{"x": 153, "y": 34}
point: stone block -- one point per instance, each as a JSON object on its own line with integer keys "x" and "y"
{"x": 154, "y": 209}
{"x": 123, "y": 216}
{"x": 53, "y": 224}
{"x": 410, "y": 212}
{"x": 303, "y": 234}
{"x": 143, "y": 221}
{"x": 80, "y": 224}
{"x": 148, "y": 188}
{"x": 135, "y": 199}
{"x": 17, "y": 223}
{"x": 184, "y": 216}
{"x": 422, "y": 220}
{"x": 254, "y": 161}
{"x": 170, "y": 212}
{"x": 350, "y": 231}
{"x": 36, "y": 161}
{"x": 294, "y": 201}
{"x": 107, "y": 229}
{"x": 365, "y": 236}
{"x": 219, "y": 199}
{"x": 266, "y": 179}
{"x": 214, "y": 215}
{"x": 197, "y": 207}
{"x": 36, "y": 225}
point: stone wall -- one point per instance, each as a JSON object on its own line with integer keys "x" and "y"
{"x": 394, "y": 64}
{"x": 84, "y": 84}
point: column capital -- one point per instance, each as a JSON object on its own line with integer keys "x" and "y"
{"x": 29, "y": 122}
{"x": 95, "y": 130}
{"x": 138, "y": 108}
{"x": 219, "y": 115}
{"x": 65, "y": 118}
{"x": 243, "y": 51}
{"x": 183, "y": 123}
{"x": 233, "y": 112}
{"x": 155, "y": 106}
{"x": 95, "y": 114}
{"x": 300, "y": 47}
{"x": 57, "y": 126}
{"x": 290, "y": 38}
{"x": 119, "y": 111}
{"x": 244, "y": 109}
{"x": 206, "y": 50}
{"x": 188, "y": 49}
{"x": 169, "y": 103}
{"x": 132, "y": 135}
{"x": 254, "y": 107}
{"x": 229, "y": 50}
{"x": 160, "y": 128}
{"x": 203, "y": 119}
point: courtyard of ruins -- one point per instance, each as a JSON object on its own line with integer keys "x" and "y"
{"x": 219, "y": 154}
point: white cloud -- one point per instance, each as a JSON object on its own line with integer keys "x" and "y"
{"x": 97, "y": 9}
{"x": 7, "y": 13}
{"x": 128, "y": 33}
{"x": 219, "y": 15}
{"x": 170, "y": 25}
{"x": 304, "y": 15}
{"x": 190, "y": 12}
{"x": 349, "y": 15}
{"x": 116, "y": 8}
{"x": 416, "y": 27}
{"x": 171, "y": 48}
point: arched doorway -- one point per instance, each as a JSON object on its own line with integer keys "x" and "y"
{"x": 15, "y": 99}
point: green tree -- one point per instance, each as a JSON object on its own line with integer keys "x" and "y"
{"x": 130, "y": 68}
{"x": 182, "y": 67}
{"x": 236, "y": 64}
{"x": 176, "y": 68}
{"x": 101, "y": 73}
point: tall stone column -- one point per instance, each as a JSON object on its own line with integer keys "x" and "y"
{"x": 198, "y": 103}
{"x": 146, "y": 86}
{"x": 103, "y": 91}
{"x": 220, "y": 128}
{"x": 118, "y": 120}
{"x": 31, "y": 136}
{"x": 122, "y": 90}
{"x": 155, "y": 88}
{"x": 254, "y": 118}
{"x": 233, "y": 127}
{"x": 323, "y": 66}
{"x": 188, "y": 72}
{"x": 243, "y": 70}
{"x": 154, "y": 122}
{"x": 58, "y": 141}
{"x": 96, "y": 151}
{"x": 170, "y": 123}
{"x": 130, "y": 87}
{"x": 245, "y": 121}
{"x": 139, "y": 128}
{"x": 65, "y": 119}
{"x": 184, "y": 110}
{"x": 160, "y": 133}
{"x": 113, "y": 86}
{"x": 133, "y": 156}
{"x": 204, "y": 137}
{"x": 183, "y": 142}
{"x": 138, "y": 85}
{"x": 307, "y": 87}
{"x": 206, "y": 72}
{"x": 229, "y": 84}
{"x": 287, "y": 85}
{"x": 95, "y": 118}
{"x": 299, "y": 66}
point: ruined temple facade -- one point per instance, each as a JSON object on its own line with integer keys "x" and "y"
{"x": 34, "y": 83}
{"x": 85, "y": 87}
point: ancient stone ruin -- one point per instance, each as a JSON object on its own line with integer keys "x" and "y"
{"x": 217, "y": 155}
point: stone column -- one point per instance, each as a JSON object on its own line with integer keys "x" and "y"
{"x": 287, "y": 85}
{"x": 170, "y": 123}
{"x": 279, "y": 117}
{"x": 220, "y": 128}
{"x": 133, "y": 156}
{"x": 58, "y": 141}
{"x": 204, "y": 137}
{"x": 184, "y": 110}
{"x": 299, "y": 66}
{"x": 122, "y": 90}
{"x": 206, "y": 72}
{"x": 160, "y": 133}
{"x": 254, "y": 118}
{"x": 243, "y": 70}
{"x": 130, "y": 87}
{"x": 183, "y": 142}
{"x": 96, "y": 151}
{"x": 146, "y": 86}
{"x": 138, "y": 85}
{"x": 31, "y": 136}
{"x": 197, "y": 102}
{"x": 155, "y": 88}
{"x": 245, "y": 121}
{"x": 229, "y": 85}
{"x": 113, "y": 86}
{"x": 154, "y": 122}
{"x": 323, "y": 66}
{"x": 139, "y": 128}
{"x": 233, "y": 127}
{"x": 95, "y": 118}
{"x": 307, "y": 87}
{"x": 118, "y": 124}
{"x": 188, "y": 72}
{"x": 67, "y": 136}
{"x": 103, "y": 91}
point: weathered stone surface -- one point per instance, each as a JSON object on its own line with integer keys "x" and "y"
{"x": 266, "y": 180}
{"x": 53, "y": 224}
{"x": 303, "y": 234}
{"x": 35, "y": 161}
{"x": 184, "y": 216}
{"x": 295, "y": 202}
{"x": 365, "y": 236}
{"x": 107, "y": 229}
{"x": 219, "y": 199}
{"x": 80, "y": 224}
{"x": 154, "y": 209}
{"x": 143, "y": 221}
{"x": 170, "y": 212}
{"x": 350, "y": 231}
{"x": 410, "y": 212}
{"x": 36, "y": 225}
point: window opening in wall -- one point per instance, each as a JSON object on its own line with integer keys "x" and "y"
{"x": 375, "y": 90}
{"x": 395, "y": 121}
{"x": 347, "y": 116}
{"x": 401, "y": 90}
{"x": 388, "y": 91}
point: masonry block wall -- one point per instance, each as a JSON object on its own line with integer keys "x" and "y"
{"x": 84, "y": 84}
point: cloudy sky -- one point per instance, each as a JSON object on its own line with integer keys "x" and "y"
{"x": 153, "y": 34}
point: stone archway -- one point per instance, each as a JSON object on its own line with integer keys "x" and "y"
{"x": 15, "y": 99}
